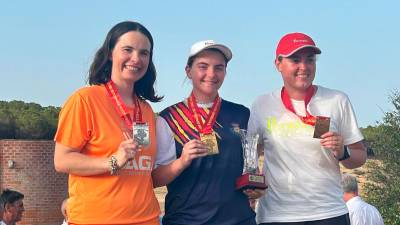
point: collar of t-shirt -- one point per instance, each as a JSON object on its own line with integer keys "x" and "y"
{"x": 202, "y": 105}
{"x": 298, "y": 106}
{"x": 205, "y": 105}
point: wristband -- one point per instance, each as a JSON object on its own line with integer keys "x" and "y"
{"x": 113, "y": 162}
{"x": 346, "y": 153}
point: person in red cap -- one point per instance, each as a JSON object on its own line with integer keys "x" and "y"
{"x": 305, "y": 131}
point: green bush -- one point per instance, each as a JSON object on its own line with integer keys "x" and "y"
{"x": 20, "y": 120}
{"x": 383, "y": 190}
{"x": 7, "y": 124}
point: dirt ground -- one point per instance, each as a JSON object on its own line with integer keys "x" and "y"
{"x": 160, "y": 194}
{"x": 361, "y": 173}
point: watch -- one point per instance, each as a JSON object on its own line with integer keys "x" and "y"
{"x": 346, "y": 153}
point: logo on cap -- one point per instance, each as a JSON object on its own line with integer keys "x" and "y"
{"x": 297, "y": 40}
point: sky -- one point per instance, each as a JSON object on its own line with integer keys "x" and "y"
{"x": 46, "y": 47}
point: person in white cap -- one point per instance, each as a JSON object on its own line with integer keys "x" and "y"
{"x": 361, "y": 213}
{"x": 305, "y": 131}
{"x": 199, "y": 153}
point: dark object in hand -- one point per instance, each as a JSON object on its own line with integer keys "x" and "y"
{"x": 321, "y": 126}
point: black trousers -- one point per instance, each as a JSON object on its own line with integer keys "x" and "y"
{"x": 340, "y": 220}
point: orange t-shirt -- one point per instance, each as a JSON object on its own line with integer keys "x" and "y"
{"x": 89, "y": 122}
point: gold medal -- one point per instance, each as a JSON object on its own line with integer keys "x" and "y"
{"x": 210, "y": 140}
{"x": 205, "y": 129}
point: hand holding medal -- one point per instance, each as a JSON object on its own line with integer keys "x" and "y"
{"x": 321, "y": 123}
{"x": 207, "y": 135}
{"x": 192, "y": 150}
{"x": 127, "y": 150}
{"x": 140, "y": 129}
{"x": 334, "y": 142}
{"x": 137, "y": 128}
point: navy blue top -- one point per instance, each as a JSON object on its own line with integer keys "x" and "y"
{"x": 204, "y": 193}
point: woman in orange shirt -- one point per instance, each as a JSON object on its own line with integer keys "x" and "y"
{"x": 106, "y": 140}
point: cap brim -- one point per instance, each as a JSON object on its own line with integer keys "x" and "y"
{"x": 316, "y": 49}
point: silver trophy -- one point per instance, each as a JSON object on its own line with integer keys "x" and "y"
{"x": 249, "y": 144}
{"x": 250, "y": 179}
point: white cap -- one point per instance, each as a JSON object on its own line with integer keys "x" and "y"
{"x": 208, "y": 44}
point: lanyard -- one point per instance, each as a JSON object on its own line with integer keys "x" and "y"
{"x": 308, "y": 119}
{"x": 206, "y": 127}
{"x": 120, "y": 106}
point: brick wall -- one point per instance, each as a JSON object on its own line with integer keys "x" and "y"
{"x": 34, "y": 176}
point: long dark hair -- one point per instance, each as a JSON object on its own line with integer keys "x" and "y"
{"x": 100, "y": 70}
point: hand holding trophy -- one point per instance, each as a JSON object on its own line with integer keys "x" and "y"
{"x": 250, "y": 179}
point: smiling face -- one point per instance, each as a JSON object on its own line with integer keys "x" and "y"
{"x": 130, "y": 57}
{"x": 298, "y": 70}
{"x": 207, "y": 73}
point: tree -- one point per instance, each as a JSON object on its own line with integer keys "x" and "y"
{"x": 51, "y": 113}
{"x": 7, "y": 124}
{"x": 31, "y": 125}
{"x": 20, "y": 120}
{"x": 384, "y": 189}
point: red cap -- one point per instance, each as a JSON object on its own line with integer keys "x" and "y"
{"x": 291, "y": 43}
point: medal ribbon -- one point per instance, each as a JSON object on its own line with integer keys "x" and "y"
{"x": 308, "y": 119}
{"x": 120, "y": 106}
{"x": 206, "y": 127}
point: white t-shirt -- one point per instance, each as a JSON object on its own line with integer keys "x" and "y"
{"x": 303, "y": 177}
{"x": 362, "y": 213}
{"x": 166, "y": 152}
